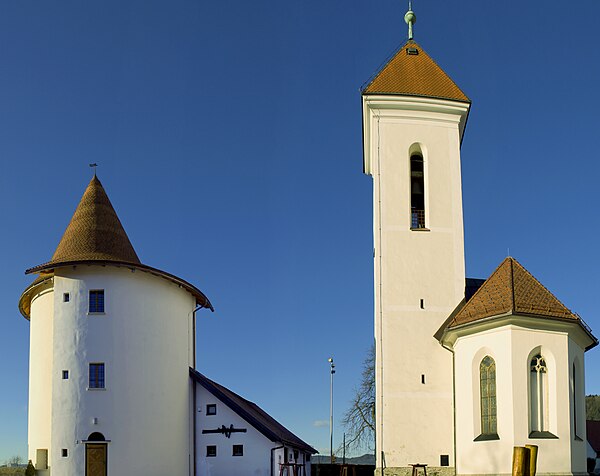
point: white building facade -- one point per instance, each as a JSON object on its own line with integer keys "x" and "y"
{"x": 455, "y": 389}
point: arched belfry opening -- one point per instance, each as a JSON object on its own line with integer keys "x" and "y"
{"x": 417, "y": 187}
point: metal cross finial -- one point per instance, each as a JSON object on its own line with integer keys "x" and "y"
{"x": 94, "y": 165}
{"x": 410, "y": 18}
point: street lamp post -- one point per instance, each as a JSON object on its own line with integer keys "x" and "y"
{"x": 332, "y": 370}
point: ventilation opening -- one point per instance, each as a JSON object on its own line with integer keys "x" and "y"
{"x": 412, "y": 51}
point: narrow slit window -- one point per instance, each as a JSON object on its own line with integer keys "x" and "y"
{"x": 66, "y": 297}
{"x": 417, "y": 191}
{"x": 487, "y": 383}
{"x": 423, "y": 378}
{"x": 538, "y": 386}
{"x": 65, "y": 374}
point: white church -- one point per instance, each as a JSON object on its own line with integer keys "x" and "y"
{"x": 113, "y": 385}
{"x": 465, "y": 369}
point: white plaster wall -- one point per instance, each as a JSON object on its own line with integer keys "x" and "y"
{"x": 143, "y": 340}
{"x": 512, "y": 347}
{"x": 40, "y": 372}
{"x": 577, "y": 399}
{"x": 257, "y": 448}
{"x": 414, "y": 420}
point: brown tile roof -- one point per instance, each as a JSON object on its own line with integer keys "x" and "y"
{"x": 511, "y": 289}
{"x": 414, "y": 75}
{"x": 592, "y": 430}
{"x": 95, "y": 232}
{"x": 95, "y": 235}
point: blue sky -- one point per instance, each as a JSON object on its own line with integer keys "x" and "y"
{"x": 228, "y": 137}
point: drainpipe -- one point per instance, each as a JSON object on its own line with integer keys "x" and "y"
{"x": 272, "y": 459}
{"x": 195, "y": 410}
{"x": 453, "y": 400}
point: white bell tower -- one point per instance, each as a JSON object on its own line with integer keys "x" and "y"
{"x": 413, "y": 121}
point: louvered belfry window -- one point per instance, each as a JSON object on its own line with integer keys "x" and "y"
{"x": 417, "y": 191}
{"x": 487, "y": 380}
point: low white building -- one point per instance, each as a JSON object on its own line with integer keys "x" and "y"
{"x": 236, "y": 437}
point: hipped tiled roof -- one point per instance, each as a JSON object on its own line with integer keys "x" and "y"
{"x": 411, "y": 71}
{"x": 252, "y": 413}
{"x": 511, "y": 289}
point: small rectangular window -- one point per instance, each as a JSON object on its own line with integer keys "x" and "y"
{"x": 96, "y": 300}
{"x": 65, "y": 452}
{"x": 96, "y": 375}
{"x": 211, "y": 409}
{"x": 238, "y": 450}
{"x": 65, "y": 374}
{"x": 66, "y": 297}
{"x": 211, "y": 450}
{"x": 444, "y": 460}
{"x": 423, "y": 378}
{"x": 422, "y": 304}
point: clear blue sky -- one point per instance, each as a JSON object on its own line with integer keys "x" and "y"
{"x": 228, "y": 137}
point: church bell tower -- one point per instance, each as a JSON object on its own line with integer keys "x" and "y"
{"x": 414, "y": 117}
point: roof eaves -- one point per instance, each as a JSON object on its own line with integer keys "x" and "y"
{"x": 218, "y": 390}
{"x": 199, "y": 295}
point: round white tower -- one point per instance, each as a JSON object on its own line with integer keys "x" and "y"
{"x": 112, "y": 341}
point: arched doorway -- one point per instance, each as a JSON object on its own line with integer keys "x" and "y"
{"x": 96, "y": 455}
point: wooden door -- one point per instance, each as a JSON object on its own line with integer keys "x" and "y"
{"x": 95, "y": 459}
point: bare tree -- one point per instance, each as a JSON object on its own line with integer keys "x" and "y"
{"x": 15, "y": 460}
{"x": 359, "y": 419}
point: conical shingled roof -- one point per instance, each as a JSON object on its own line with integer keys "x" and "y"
{"x": 95, "y": 235}
{"x": 412, "y": 72}
{"x": 511, "y": 289}
{"x": 95, "y": 232}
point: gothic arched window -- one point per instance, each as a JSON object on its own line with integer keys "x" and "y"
{"x": 538, "y": 388}
{"x": 487, "y": 385}
{"x": 417, "y": 191}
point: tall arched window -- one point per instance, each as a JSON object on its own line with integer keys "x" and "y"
{"x": 487, "y": 385}
{"x": 538, "y": 388}
{"x": 417, "y": 190}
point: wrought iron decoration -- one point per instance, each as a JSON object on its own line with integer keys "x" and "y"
{"x": 226, "y": 431}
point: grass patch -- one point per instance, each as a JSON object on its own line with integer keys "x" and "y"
{"x": 12, "y": 471}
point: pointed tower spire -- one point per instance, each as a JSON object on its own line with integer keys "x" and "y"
{"x": 95, "y": 232}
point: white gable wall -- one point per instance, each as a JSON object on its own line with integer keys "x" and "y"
{"x": 256, "y": 460}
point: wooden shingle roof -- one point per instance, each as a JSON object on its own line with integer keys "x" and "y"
{"x": 95, "y": 232}
{"x": 95, "y": 236}
{"x": 412, "y": 72}
{"x": 511, "y": 289}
